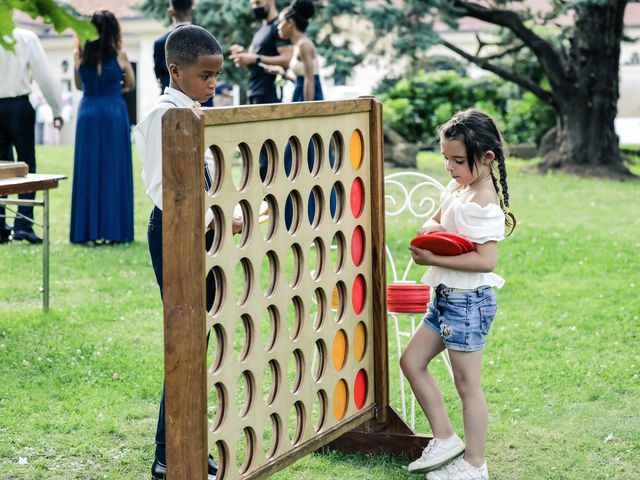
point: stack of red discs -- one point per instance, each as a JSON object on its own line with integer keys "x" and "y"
{"x": 407, "y": 297}
{"x": 443, "y": 243}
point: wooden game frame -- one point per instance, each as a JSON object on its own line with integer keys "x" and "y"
{"x": 185, "y": 315}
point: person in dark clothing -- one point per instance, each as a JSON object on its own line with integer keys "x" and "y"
{"x": 181, "y": 13}
{"x": 267, "y": 48}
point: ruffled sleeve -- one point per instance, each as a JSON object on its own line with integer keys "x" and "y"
{"x": 479, "y": 224}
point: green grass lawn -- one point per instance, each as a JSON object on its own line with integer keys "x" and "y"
{"x": 79, "y": 387}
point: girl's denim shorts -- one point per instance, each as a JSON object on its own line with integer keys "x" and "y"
{"x": 461, "y": 317}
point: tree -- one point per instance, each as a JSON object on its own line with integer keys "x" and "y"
{"x": 580, "y": 61}
{"x": 52, "y": 13}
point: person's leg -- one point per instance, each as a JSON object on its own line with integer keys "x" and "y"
{"x": 468, "y": 379}
{"x": 22, "y": 126}
{"x": 422, "y": 348}
{"x": 5, "y": 154}
{"x": 154, "y": 237}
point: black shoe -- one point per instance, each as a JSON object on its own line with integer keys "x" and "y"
{"x": 159, "y": 471}
{"x": 5, "y": 233}
{"x": 28, "y": 235}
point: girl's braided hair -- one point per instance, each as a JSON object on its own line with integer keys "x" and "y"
{"x": 479, "y": 133}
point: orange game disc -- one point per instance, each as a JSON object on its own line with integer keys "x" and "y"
{"x": 359, "y": 341}
{"x": 339, "y": 352}
{"x": 340, "y": 399}
{"x": 360, "y": 389}
{"x": 335, "y": 298}
{"x": 355, "y": 149}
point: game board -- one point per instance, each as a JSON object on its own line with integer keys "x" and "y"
{"x": 297, "y": 349}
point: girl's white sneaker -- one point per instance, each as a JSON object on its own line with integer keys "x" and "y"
{"x": 460, "y": 469}
{"x": 437, "y": 453}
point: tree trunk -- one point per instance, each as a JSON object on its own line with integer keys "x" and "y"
{"x": 586, "y": 142}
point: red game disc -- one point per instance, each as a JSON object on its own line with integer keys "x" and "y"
{"x": 466, "y": 244}
{"x": 360, "y": 389}
{"x": 358, "y": 293}
{"x": 357, "y": 197}
{"x": 357, "y": 245}
{"x": 438, "y": 245}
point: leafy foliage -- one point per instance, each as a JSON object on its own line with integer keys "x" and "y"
{"x": 61, "y": 16}
{"x": 415, "y": 106}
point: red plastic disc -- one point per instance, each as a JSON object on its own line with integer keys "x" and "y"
{"x": 438, "y": 245}
{"x": 357, "y": 245}
{"x": 357, "y": 197}
{"x": 358, "y": 293}
{"x": 360, "y": 389}
{"x": 463, "y": 242}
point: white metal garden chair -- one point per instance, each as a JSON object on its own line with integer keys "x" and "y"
{"x": 416, "y": 196}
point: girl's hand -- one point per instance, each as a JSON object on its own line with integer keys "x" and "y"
{"x": 421, "y": 256}
{"x": 430, "y": 229}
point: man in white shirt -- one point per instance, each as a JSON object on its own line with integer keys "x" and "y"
{"x": 17, "y": 117}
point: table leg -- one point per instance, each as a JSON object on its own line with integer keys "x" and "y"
{"x": 45, "y": 251}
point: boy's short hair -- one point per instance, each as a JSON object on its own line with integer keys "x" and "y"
{"x": 181, "y": 5}
{"x": 188, "y": 42}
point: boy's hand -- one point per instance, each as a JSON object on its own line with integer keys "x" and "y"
{"x": 421, "y": 256}
{"x": 236, "y": 225}
{"x": 235, "y": 48}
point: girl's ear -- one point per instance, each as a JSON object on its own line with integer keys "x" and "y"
{"x": 488, "y": 157}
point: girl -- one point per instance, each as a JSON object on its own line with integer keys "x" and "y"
{"x": 474, "y": 205}
{"x": 294, "y": 21}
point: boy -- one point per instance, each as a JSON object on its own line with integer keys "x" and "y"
{"x": 194, "y": 59}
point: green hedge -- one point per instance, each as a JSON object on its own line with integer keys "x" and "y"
{"x": 415, "y": 106}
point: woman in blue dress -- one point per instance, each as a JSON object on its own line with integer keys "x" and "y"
{"x": 102, "y": 196}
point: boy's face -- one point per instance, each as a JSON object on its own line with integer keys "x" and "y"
{"x": 198, "y": 80}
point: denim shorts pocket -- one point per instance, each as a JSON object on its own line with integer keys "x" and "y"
{"x": 456, "y": 301}
{"x": 487, "y": 314}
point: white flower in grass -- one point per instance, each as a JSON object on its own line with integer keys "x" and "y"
{"x": 22, "y": 460}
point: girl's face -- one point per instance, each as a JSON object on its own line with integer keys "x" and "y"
{"x": 284, "y": 27}
{"x": 455, "y": 161}
{"x": 199, "y": 80}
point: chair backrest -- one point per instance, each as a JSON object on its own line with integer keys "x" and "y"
{"x": 412, "y": 194}
{"x": 415, "y": 196}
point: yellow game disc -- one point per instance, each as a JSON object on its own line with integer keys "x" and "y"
{"x": 335, "y": 299}
{"x": 339, "y": 349}
{"x": 355, "y": 149}
{"x": 340, "y": 399}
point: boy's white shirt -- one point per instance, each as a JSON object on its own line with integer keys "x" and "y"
{"x": 148, "y": 139}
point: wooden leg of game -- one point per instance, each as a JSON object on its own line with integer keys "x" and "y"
{"x": 184, "y": 297}
{"x": 394, "y": 438}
